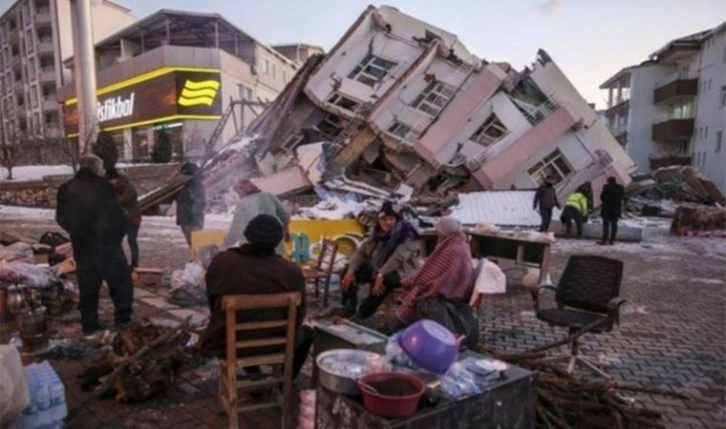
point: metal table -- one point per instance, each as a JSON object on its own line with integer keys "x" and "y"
{"x": 509, "y": 404}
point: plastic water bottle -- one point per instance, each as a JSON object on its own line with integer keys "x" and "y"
{"x": 16, "y": 341}
{"x": 30, "y": 413}
{"x": 59, "y": 408}
{"x": 44, "y": 398}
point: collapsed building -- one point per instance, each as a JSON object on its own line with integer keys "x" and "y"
{"x": 399, "y": 106}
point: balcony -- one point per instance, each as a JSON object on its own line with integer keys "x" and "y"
{"x": 45, "y": 46}
{"x": 678, "y": 87}
{"x": 42, "y": 16}
{"x": 49, "y": 103}
{"x": 47, "y": 74}
{"x": 673, "y": 130}
{"x": 18, "y": 87}
{"x": 618, "y": 108}
{"x": 656, "y": 163}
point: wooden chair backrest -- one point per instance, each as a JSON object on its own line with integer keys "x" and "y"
{"x": 231, "y": 304}
{"x": 329, "y": 248}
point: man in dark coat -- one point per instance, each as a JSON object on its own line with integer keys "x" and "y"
{"x": 190, "y": 203}
{"x": 255, "y": 269}
{"x": 546, "y": 199}
{"x": 129, "y": 200}
{"x": 611, "y": 209}
{"x": 89, "y": 211}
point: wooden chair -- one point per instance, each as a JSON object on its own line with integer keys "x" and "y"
{"x": 232, "y": 377}
{"x": 328, "y": 251}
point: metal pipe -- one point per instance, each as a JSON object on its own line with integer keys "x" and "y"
{"x": 84, "y": 71}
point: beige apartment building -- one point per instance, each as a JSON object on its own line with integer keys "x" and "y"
{"x": 35, "y": 37}
{"x": 176, "y": 73}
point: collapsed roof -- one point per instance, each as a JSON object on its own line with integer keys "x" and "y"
{"x": 402, "y": 107}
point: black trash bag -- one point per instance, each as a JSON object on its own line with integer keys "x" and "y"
{"x": 456, "y": 316}
{"x": 53, "y": 239}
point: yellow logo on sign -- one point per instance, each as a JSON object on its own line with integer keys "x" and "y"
{"x": 196, "y": 93}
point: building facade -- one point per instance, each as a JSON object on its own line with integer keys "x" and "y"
{"x": 35, "y": 37}
{"x": 671, "y": 109}
{"x": 298, "y": 52}
{"x": 433, "y": 115}
{"x": 176, "y": 73}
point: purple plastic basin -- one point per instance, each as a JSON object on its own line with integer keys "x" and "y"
{"x": 429, "y": 345}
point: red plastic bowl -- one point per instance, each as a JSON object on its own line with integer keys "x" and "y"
{"x": 386, "y": 403}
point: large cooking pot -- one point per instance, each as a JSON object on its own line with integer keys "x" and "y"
{"x": 340, "y": 369}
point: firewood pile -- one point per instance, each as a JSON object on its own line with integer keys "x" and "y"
{"x": 142, "y": 361}
{"x": 565, "y": 401}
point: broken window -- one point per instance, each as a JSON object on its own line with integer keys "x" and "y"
{"x": 343, "y": 102}
{"x": 330, "y": 124}
{"x": 434, "y": 98}
{"x": 554, "y": 165}
{"x": 371, "y": 70}
{"x": 492, "y": 130}
{"x": 399, "y": 129}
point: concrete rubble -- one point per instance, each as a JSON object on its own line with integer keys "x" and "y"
{"x": 401, "y": 109}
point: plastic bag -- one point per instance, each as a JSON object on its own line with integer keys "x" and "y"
{"x": 28, "y": 274}
{"x": 192, "y": 274}
{"x": 459, "y": 381}
{"x": 396, "y": 355}
{"x": 14, "y": 394}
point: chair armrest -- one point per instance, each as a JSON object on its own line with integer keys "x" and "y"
{"x": 536, "y": 292}
{"x": 614, "y": 309}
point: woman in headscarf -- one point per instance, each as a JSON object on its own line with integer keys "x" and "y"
{"x": 252, "y": 203}
{"x": 447, "y": 275}
{"x": 388, "y": 255}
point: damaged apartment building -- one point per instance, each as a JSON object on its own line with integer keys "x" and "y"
{"x": 402, "y": 105}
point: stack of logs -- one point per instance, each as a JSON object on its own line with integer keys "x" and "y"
{"x": 143, "y": 361}
{"x": 567, "y": 402}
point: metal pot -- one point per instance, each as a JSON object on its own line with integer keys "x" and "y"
{"x": 15, "y": 300}
{"x": 340, "y": 369}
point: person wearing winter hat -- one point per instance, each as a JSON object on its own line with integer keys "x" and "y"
{"x": 255, "y": 269}
{"x": 389, "y": 254}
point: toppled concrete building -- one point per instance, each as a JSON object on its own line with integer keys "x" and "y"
{"x": 402, "y": 104}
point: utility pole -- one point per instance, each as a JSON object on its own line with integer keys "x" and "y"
{"x": 84, "y": 71}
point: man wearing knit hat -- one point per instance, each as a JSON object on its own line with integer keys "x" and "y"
{"x": 254, "y": 269}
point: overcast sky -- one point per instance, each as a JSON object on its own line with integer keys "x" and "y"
{"x": 589, "y": 39}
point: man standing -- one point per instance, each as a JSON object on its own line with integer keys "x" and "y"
{"x": 611, "y": 209}
{"x": 88, "y": 209}
{"x": 254, "y": 269}
{"x": 546, "y": 199}
{"x": 190, "y": 203}
{"x": 254, "y": 202}
{"x": 129, "y": 200}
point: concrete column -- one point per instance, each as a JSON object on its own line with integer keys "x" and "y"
{"x": 128, "y": 144}
{"x": 84, "y": 70}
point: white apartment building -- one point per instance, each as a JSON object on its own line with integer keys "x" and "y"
{"x": 671, "y": 109}
{"x": 35, "y": 37}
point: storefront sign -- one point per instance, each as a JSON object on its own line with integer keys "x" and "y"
{"x": 159, "y": 96}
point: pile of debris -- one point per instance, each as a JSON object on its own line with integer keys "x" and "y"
{"x": 565, "y": 401}
{"x": 141, "y": 361}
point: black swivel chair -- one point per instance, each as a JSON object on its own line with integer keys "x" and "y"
{"x": 587, "y": 292}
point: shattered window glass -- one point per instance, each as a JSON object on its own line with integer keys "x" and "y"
{"x": 434, "y": 98}
{"x": 554, "y": 165}
{"x": 491, "y": 131}
{"x": 399, "y": 129}
{"x": 343, "y": 102}
{"x": 371, "y": 70}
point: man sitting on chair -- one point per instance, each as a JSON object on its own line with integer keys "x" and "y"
{"x": 251, "y": 269}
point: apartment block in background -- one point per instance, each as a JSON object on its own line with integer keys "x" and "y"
{"x": 35, "y": 37}
{"x": 175, "y": 73}
{"x": 671, "y": 109}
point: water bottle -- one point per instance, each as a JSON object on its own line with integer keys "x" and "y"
{"x": 59, "y": 409}
{"x": 16, "y": 341}
{"x": 44, "y": 399}
{"x": 30, "y": 413}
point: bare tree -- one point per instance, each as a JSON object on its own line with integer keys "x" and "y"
{"x": 75, "y": 147}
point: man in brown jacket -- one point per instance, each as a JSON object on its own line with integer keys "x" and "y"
{"x": 252, "y": 269}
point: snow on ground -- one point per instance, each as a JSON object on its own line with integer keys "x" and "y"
{"x": 37, "y": 172}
